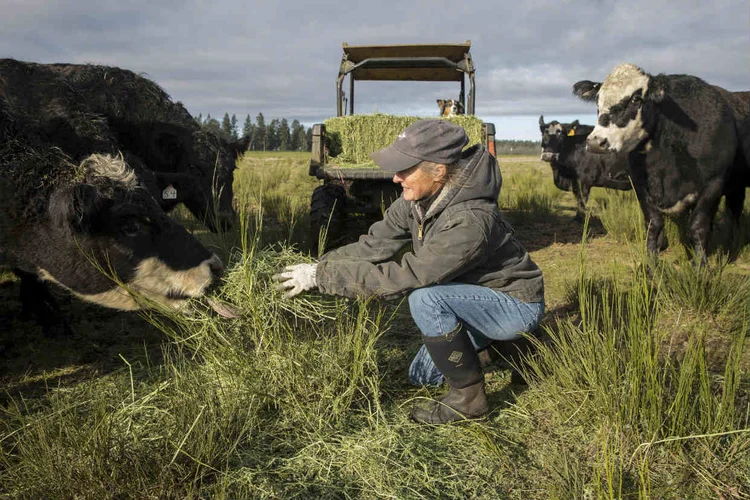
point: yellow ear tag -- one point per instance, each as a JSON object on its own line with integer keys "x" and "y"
{"x": 572, "y": 132}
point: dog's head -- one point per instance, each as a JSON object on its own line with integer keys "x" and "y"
{"x": 450, "y": 107}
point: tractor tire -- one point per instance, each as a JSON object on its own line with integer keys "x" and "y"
{"x": 327, "y": 216}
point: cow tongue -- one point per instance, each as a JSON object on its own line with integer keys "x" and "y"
{"x": 222, "y": 308}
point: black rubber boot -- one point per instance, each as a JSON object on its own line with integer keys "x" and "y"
{"x": 456, "y": 358}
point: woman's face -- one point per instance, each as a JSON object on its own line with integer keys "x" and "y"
{"x": 418, "y": 184}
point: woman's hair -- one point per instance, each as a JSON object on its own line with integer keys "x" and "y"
{"x": 452, "y": 171}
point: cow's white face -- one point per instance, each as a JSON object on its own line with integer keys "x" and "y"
{"x": 620, "y": 125}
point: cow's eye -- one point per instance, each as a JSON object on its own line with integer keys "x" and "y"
{"x": 131, "y": 228}
{"x": 636, "y": 99}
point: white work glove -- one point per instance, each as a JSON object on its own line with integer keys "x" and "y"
{"x": 296, "y": 279}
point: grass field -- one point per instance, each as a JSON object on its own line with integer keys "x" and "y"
{"x": 639, "y": 387}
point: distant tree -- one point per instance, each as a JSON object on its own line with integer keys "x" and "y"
{"x": 304, "y": 143}
{"x": 234, "y": 134}
{"x": 199, "y": 119}
{"x": 517, "y": 147}
{"x": 294, "y": 140}
{"x": 284, "y": 142}
{"x": 212, "y": 125}
{"x": 259, "y": 134}
{"x": 226, "y": 125}
{"x": 247, "y": 130}
{"x": 272, "y": 135}
{"x": 308, "y": 139}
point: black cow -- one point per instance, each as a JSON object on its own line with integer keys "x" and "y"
{"x": 186, "y": 164}
{"x": 574, "y": 168}
{"x": 91, "y": 228}
{"x": 684, "y": 140}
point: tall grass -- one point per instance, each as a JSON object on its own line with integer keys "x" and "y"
{"x": 616, "y": 370}
{"x": 623, "y": 220}
{"x": 530, "y": 194}
{"x": 640, "y": 391}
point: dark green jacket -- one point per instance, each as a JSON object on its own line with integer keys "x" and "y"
{"x": 461, "y": 238}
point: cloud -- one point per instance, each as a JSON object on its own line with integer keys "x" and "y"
{"x": 281, "y": 58}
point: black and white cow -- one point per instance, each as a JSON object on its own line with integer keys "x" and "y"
{"x": 683, "y": 138}
{"x": 574, "y": 168}
{"x": 450, "y": 107}
{"x": 91, "y": 228}
{"x": 186, "y": 164}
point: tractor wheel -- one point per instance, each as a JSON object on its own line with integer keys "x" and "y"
{"x": 327, "y": 216}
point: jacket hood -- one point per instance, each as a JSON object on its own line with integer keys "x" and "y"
{"x": 479, "y": 178}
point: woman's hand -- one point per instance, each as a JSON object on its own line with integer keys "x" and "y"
{"x": 296, "y": 279}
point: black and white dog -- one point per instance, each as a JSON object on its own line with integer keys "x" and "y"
{"x": 450, "y": 107}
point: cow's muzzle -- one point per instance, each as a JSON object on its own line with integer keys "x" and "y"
{"x": 598, "y": 145}
{"x": 546, "y": 156}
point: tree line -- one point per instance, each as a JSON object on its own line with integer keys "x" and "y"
{"x": 277, "y": 135}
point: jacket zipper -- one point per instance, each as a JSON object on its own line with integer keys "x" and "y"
{"x": 419, "y": 232}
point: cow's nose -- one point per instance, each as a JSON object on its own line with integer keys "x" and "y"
{"x": 216, "y": 267}
{"x": 597, "y": 144}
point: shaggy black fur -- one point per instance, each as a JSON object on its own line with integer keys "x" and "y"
{"x": 111, "y": 109}
{"x": 67, "y": 219}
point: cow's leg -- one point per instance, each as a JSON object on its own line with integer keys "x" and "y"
{"x": 37, "y": 303}
{"x": 585, "y": 190}
{"x": 561, "y": 182}
{"x": 656, "y": 240}
{"x": 734, "y": 189}
{"x": 580, "y": 203}
{"x": 735, "y": 198}
{"x": 701, "y": 219}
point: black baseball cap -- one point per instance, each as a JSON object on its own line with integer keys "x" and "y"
{"x": 438, "y": 141}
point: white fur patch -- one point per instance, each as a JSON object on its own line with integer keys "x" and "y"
{"x": 620, "y": 84}
{"x": 681, "y": 205}
{"x": 154, "y": 281}
{"x": 620, "y": 139}
{"x": 547, "y": 156}
{"x": 114, "y": 167}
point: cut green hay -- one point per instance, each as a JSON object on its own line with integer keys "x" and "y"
{"x": 353, "y": 138}
{"x": 244, "y": 392}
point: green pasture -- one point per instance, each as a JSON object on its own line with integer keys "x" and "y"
{"x": 638, "y": 388}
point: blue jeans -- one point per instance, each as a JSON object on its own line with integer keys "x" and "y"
{"x": 485, "y": 313}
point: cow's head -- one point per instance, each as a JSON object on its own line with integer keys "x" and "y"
{"x": 553, "y": 137}
{"x": 106, "y": 234}
{"x": 450, "y": 107}
{"x": 213, "y": 171}
{"x": 626, "y": 102}
{"x": 191, "y": 166}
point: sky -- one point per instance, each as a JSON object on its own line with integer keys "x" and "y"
{"x": 281, "y": 58}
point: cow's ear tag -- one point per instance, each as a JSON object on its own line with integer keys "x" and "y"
{"x": 169, "y": 193}
{"x": 572, "y": 132}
